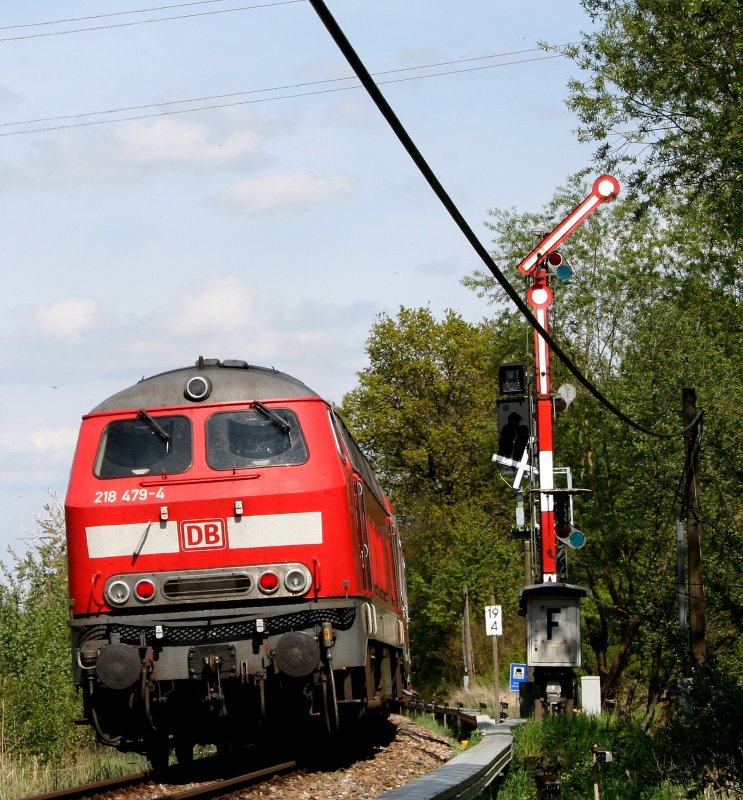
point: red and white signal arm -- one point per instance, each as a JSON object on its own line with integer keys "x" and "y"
{"x": 494, "y": 620}
{"x": 604, "y": 189}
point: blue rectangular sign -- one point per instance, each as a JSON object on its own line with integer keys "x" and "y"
{"x": 518, "y": 676}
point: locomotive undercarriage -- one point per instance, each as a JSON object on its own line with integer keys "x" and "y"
{"x": 229, "y": 678}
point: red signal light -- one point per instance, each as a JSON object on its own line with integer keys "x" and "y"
{"x": 554, "y": 259}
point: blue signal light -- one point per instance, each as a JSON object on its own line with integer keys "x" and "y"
{"x": 563, "y": 272}
{"x": 577, "y": 539}
{"x": 571, "y": 536}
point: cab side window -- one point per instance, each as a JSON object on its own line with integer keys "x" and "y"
{"x": 360, "y": 464}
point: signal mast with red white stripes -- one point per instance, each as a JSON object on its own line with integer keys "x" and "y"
{"x": 543, "y": 261}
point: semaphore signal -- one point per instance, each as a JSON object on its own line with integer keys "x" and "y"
{"x": 605, "y": 189}
{"x": 542, "y": 263}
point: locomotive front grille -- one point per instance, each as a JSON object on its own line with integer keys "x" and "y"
{"x": 341, "y": 619}
{"x": 207, "y": 587}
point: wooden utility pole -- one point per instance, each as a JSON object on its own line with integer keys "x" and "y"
{"x": 469, "y": 666}
{"x": 697, "y": 610}
{"x": 496, "y": 670}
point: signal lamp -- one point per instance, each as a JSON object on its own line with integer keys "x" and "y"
{"x": 564, "y": 396}
{"x": 570, "y": 536}
{"x": 557, "y": 266}
{"x": 512, "y": 378}
{"x": 514, "y": 427}
{"x": 268, "y": 583}
{"x": 118, "y": 592}
{"x": 144, "y": 590}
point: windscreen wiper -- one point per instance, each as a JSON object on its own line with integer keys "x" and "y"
{"x": 271, "y": 416}
{"x": 154, "y": 424}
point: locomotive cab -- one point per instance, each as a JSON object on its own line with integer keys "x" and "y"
{"x": 232, "y": 560}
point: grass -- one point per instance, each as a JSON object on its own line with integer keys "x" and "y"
{"x": 479, "y": 695}
{"x": 23, "y": 777}
{"x": 561, "y": 746}
{"x": 459, "y": 740}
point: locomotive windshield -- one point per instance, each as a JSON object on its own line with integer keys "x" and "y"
{"x": 249, "y": 438}
{"x": 144, "y": 446}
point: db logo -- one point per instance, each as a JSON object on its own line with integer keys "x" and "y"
{"x": 203, "y": 534}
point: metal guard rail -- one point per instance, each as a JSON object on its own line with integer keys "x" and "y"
{"x": 465, "y": 716}
{"x": 472, "y": 774}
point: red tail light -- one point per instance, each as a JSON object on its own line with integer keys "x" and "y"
{"x": 144, "y": 590}
{"x": 268, "y": 582}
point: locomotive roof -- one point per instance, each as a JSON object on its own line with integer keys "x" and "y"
{"x": 230, "y": 381}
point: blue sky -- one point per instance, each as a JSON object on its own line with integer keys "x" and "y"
{"x": 274, "y": 226}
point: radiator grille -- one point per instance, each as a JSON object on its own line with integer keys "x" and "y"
{"x": 341, "y": 619}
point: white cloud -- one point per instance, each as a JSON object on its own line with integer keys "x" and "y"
{"x": 353, "y": 113}
{"x": 130, "y": 149}
{"x": 9, "y": 98}
{"x": 281, "y": 190}
{"x": 220, "y": 304}
{"x": 168, "y": 141}
{"x": 68, "y": 317}
{"x": 54, "y": 441}
{"x": 47, "y": 442}
{"x": 320, "y": 341}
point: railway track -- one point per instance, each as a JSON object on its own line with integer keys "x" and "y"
{"x": 141, "y": 786}
{"x": 403, "y": 761}
{"x": 91, "y": 790}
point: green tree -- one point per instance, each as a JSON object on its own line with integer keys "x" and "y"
{"x": 685, "y": 340}
{"x": 424, "y": 412}
{"x": 664, "y": 98}
{"x": 419, "y": 407}
{"x": 39, "y": 702}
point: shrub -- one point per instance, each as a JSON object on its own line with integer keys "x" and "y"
{"x": 39, "y": 702}
{"x": 702, "y": 747}
{"x": 561, "y": 746}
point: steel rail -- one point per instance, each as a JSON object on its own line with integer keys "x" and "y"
{"x": 229, "y": 784}
{"x": 204, "y": 792}
{"x": 91, "y": 789}
{"x": 466, "y": 716}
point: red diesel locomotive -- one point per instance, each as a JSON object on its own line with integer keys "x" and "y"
{"x": 233, "y": 564}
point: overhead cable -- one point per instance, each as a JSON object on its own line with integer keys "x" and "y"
{"x": 148, "y": 21}
{"x": 88, "y": 123}
{"x": 379, "y": 100}
{"x": 106, "y": 16}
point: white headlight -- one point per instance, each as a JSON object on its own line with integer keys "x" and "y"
{"x": 295, "y": 581}
{"x": 118, "y": 592}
